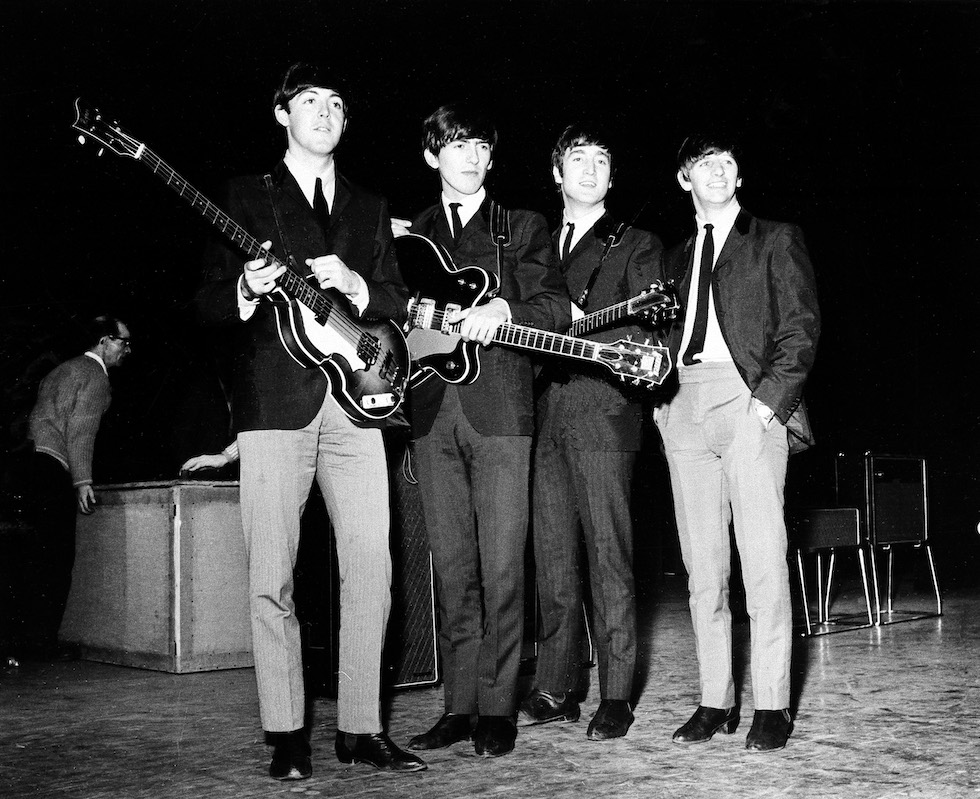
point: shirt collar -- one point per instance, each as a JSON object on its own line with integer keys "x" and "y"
{"x": 584, "y": 223}
{"x": 306, "y": 178}
{"x": 98, "y": 359}
{"x": 468, "y": 205}
{"x": 723, "y": 224}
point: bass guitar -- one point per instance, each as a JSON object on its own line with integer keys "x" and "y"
{"x": 438, "y": 350}
{"x": 366, "y": 363}
{"x": 658, "y": 304}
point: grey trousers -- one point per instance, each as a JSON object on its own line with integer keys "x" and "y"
{"x": 727, "y": 467}
{"x": 277, "y": 471}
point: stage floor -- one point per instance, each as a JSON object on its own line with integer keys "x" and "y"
{"x": 887, "y": 712}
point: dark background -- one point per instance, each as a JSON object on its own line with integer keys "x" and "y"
{"x": 860, "y": 121}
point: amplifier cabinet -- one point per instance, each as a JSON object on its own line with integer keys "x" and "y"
{"x": 160, "y": 580}
{"x": 893, "y": 493}
{"x": 825, "y": 528}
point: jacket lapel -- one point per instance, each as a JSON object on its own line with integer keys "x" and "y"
{"x": 736, "y": 239}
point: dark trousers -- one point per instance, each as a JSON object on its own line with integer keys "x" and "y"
{"x": 589, "y": 491}
{"x": 51, "y": 554}
{"x": 475, "y": 500}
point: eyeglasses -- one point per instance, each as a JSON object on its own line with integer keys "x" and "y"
{"x": 124, "y": 340}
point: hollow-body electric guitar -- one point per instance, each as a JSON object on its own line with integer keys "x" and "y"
{"x": 440, "y": 288}
{"x": 367, "y": 363}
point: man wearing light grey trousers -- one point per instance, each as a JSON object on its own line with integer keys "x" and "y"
{"x": 291, "y": 423}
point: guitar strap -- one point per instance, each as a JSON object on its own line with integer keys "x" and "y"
{"x": 499, "y": 232}
{"x": 267, "y": 178}
{"x": 612, "y": 240}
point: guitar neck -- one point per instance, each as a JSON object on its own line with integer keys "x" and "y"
{"x": 529, "y": 338}
{"x": 292, "y": 283}
{"x": 600, "y": 318}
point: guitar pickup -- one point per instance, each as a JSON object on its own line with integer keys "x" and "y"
{"x": 369, "y": 401}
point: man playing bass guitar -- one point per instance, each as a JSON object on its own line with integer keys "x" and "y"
{"x": 291, "y": 429}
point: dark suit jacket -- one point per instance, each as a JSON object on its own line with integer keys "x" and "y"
{"x": 766, "y": 300}
{"x": 500, "y": 401}
{"x": 587, "y": 403}
{"x": 270, "y": 391}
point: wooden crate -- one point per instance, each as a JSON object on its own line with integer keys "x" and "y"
{"x": 160, "y": 579}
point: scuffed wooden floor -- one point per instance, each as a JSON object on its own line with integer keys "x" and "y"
{"x": 888, "y": 712}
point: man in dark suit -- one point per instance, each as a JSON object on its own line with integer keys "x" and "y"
{"x": 472, "y": 443}
{"x": 589, "y": 432}
{"x": 291, "y": 429}
{"x": 744, "y": 351}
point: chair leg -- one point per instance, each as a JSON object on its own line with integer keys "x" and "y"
{"x": 891, "y": 580}
{"x": 874, "y": 583}
{"x": 806, "y": 603}
{"x": 935, "y": 581}
{"x": 830, "y": 582}
{"x": 864, "y": 581}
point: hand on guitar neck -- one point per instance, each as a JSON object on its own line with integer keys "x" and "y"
{"x": 259, "y": 276}
{"x": 481, "y": 322}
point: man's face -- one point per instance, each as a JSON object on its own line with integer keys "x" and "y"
{"x": 117, "y": 347}
{"x": 463, "y": 165}
{"x": 586, "y": 174}
{"x": 712, "y": 180}
{"x": 314, "y": 121}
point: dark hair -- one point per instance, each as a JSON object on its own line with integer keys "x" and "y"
{"x": 700, "y": 145}
{"x": 582, "y": 134}
{"x": 100, "y": 327}
{"x": 450, "y": 123}
{"x": 302, "y": 76}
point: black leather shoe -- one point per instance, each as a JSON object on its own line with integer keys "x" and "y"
{"x": 494, "y": 736}
{"x": 291, "y": 756}
{"x": 452, "y": 727}
{"x": 705, "y": 722}
{"x": 770, "y": 729}
{"x": 611, "y": 720}
{"x": 540, "y": 707}
{"x": 376, "y": 750}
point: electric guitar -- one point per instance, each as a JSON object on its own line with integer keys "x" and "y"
{"x": 366, "y": 363}
{"x": 658, "y": 303}
{"x": 438, "y": 350}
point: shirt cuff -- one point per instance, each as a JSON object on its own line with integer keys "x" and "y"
{"x": 360, "y": 297}
{"x": 245, "y": 307}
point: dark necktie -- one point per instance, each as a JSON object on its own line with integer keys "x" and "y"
{"x": 566, "y": 248}
{"x": 696, "y": 343}
{"x": 457, "y": 224}
{"x": 320, "y": 206}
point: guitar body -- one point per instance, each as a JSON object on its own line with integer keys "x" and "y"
{"x": 367, "y": 379}
{"x": 438, "y": 288}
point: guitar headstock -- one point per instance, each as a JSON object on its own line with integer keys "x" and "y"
{"x": 91, "y": 124}
{"x": 658, "y": 303}
{"x": 637, "y": 364}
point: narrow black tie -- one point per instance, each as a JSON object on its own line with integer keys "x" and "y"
{"x": 320, "y": 206}
{"x": 696, "y": 343}
{"x": 457, "y": 224}
{"x": 568, "y": 241}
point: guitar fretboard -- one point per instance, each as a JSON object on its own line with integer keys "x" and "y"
{"x": 589, "y": 322}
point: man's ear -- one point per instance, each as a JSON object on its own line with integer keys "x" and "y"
{"x": 431, "y": 158}
{"x": 738, "y": 183}
{"x": 282, "y": 116}
{"x": 683, "y": 181}
{"x": 557, "y": 176}
{"x": 490, "y": 165}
